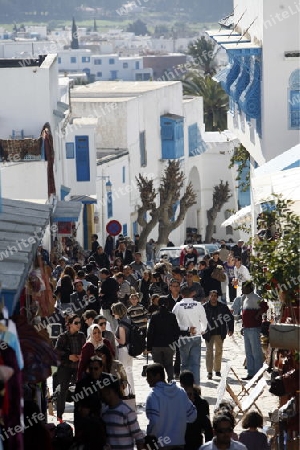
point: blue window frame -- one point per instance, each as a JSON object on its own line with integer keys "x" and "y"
{"x": 59, "y": 60}
{"x": 109, "y": 202}
{"x": 123, "y": 174}
{"x": 244, "y": 196}
{"x": 97, "y": 62}
{"x": 137, "y": 65}
{"x": 143, "y": 152}
{"x": 99, "y": 74}
{"x": 111, "y": 61}
{"x": 125, "y": 229}
{"x": 135, "y": 228}
{"x": 125, "y": 65}
{"x": 85, "y": 59}
{"x": 294, "y": 100}
{"x": 196, "y": 144}
{"x": 73, "y": 59}
{"x": 172, "y": 136}
{"x": 70, "y": 150}
{"x": 82, "y": 158}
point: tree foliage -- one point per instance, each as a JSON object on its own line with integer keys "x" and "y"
{"x": 221, "y": 195}
{"x": 275, "y": 259}
{"x": 139, "y": 28}
{"x": 170, "y": 195}
{"x": 204, "y": 53}
{"x": 241, "y": 157}
{"x": 215, "y": 99}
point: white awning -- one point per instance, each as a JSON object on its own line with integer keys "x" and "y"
{"x": 281, "y": 162}
{"x": 240, "y": 217}
{"x": 284, "y": 182}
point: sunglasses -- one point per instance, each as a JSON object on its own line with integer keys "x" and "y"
{"x": 76, "y": 323}
{"x": 224, "y": 430}
{"x": 102, "y": 323}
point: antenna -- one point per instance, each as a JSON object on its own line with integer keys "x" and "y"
{"x": 238, "y": 22}
{"x": 247, "y": 30}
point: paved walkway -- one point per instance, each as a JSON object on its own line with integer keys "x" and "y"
{"x": 233, "y": 353}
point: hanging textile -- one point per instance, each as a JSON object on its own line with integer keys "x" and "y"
{"x": 47, "y": 141}
{"x": 37, "y": 350}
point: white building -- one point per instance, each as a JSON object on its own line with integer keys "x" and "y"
{"x": 263, "y": 78}
{"x": 133, "y": 119}
{"x": 31, "y": 96}
{"x": 103, "y": 67}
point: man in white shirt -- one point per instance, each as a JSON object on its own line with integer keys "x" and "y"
{"x": 241, "y": 273}
{"x": 192, "y": 322}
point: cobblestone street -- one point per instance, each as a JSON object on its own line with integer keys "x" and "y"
{"x": 233, "y": 353}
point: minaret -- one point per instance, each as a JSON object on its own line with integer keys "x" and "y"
{"x": 95, "y": 26}
{"x": 74, "y": 41}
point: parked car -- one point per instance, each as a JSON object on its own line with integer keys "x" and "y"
{"x": 211, "y": 248}
{"x": 172, "y": 254}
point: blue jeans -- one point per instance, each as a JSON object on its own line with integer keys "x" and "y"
{"x": 254, "y": 354}
{"x": 190, "y": 354}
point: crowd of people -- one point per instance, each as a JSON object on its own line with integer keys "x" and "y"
{"x": 100, "y": 302}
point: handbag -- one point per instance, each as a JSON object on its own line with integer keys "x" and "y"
{"x": 129, "y": 399}
{"x": 145, "y": 367}
{"x": 218, "y": 274}
{"x": 285, "y": 335}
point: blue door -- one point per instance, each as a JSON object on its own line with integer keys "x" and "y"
{"x": 113, "y": 75}
{"x": 82, "y": 158}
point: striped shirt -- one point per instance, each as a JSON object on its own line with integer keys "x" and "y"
{"x": 138, "y": 314}
{"x": 122, "y": 427}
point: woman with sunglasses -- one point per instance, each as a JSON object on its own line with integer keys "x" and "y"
{"x": 107, "y": 334}
{"x": 94, "y": 341}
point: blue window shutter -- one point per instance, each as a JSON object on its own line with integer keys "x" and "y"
{"x": 172, "y": 137}
{"x": 134, "y": 228}
{"x": 125, "y": 229}
{"x": 69, "y": 150}
{"x": 109, "y": 199}
{"x": 244, "y": 196}
{"x": 82, "y": 158}
{"x": 167, "y": 131}
{"x": 196, "y": 144}
{"x": 294, "y": 104}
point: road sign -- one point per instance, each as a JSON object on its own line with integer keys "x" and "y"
{"x": 113, "y": 227}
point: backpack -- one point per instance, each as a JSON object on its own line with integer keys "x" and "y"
{"x": 136, "y": 340}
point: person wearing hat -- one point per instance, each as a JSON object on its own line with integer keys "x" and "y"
{"x": 163, "y": 332}
{"x": 237, "y": 249}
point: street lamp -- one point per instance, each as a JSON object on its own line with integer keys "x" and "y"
{"x": 108, "y": 184}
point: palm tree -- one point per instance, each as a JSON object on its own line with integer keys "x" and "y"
{"x": 215, "y": 100}
{"x": 204, "y": 53}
